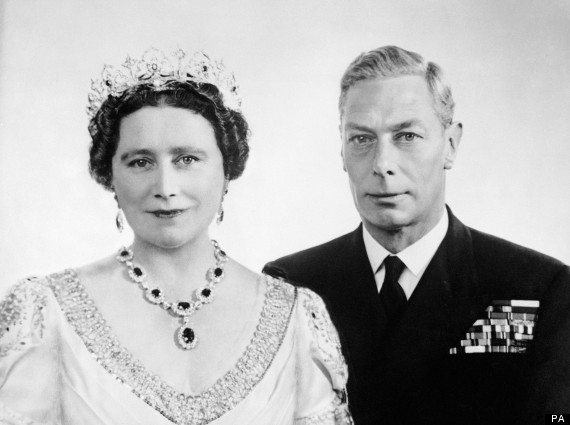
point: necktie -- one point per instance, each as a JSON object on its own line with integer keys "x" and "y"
{"x": 392, "y": 295}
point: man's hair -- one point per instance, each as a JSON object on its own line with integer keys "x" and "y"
{"x": 392, "y": 61}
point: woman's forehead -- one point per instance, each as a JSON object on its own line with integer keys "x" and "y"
{"x": 165, "y": 128}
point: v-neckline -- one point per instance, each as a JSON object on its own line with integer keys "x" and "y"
{"x": 181, "y": 408}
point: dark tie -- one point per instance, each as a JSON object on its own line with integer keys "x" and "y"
{"x": 392, "y": 295}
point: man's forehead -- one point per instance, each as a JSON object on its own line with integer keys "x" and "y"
{"x": 395, "y": 98}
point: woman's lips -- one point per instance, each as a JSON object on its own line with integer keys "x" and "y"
{"x": 166, "y": 213}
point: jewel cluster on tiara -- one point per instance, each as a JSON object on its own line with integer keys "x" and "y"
{"x": 158, "y": 70}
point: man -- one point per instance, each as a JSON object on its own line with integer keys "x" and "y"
{"x": 440, "y": 323}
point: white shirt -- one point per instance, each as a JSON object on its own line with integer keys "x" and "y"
{"x": 416, "y": 257}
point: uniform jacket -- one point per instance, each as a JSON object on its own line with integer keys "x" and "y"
{"x": 407, "y": 375}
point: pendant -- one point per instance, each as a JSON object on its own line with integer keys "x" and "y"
{"x": 186, "y": 337}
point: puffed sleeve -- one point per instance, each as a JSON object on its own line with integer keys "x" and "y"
{"x": 321, "y": 369}
{"x": 22, "y": 324}
{"x": 21, "y": 316}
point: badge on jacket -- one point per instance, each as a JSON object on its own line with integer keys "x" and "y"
{"x": 507, "y": 328}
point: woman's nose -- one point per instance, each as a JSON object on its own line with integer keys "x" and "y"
{"x": 166, "y": 185}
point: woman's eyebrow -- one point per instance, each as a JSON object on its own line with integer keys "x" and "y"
{"x": 180, "y": 150}
{"x": 133, "y": 152}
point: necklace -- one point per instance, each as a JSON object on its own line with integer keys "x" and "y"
{"x": 185, "y": 335}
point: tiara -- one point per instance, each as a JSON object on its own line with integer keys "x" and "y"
{"x": 158, "y": 70}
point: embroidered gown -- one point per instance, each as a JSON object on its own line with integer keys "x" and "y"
{"x": 61, "y": 364}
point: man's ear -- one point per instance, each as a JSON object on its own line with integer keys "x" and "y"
{"x": 452, "y": 136}
{"x": 342, "y": 147}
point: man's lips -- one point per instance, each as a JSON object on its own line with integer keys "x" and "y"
{"x": 387, "y": 197}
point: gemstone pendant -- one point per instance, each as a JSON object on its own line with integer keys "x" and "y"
{"x": 186, "y": 337}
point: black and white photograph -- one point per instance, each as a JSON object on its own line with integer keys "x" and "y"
{"x": 284, "y": 213}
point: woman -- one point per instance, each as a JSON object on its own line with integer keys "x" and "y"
{"x": 169, "y": 330}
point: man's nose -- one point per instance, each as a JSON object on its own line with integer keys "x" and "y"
{"x": 385, "y": 156}
{"x": 165, "y": 185}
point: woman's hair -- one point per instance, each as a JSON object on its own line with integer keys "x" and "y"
{"x": 229, "y": 126}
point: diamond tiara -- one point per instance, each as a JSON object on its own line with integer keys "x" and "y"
{"x": 158, "y": 70}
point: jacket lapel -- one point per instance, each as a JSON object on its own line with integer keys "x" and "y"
{"x": 446, "y": 301}
{"x": 352, "y": 294}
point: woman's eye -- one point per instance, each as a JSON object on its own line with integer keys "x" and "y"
{"x": 139, "y": 163}
{"x": 187, "y": 160}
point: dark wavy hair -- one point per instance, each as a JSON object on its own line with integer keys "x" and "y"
{"x": 230, "y": 127}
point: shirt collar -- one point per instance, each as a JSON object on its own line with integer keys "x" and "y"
{"x": 417, "y": 256}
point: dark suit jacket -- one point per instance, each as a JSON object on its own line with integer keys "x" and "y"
{"x": 406, "y": 375}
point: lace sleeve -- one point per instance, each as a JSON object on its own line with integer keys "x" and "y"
{"x": 22, "y": 316}
{"x": 322, "y": 371}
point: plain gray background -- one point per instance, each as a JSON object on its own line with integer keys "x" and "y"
{"x": 507, "y": 61}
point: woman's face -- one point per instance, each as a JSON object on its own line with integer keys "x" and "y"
{"x": 168, "y": 175}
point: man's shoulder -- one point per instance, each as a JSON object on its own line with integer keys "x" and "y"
{"x": 312, "y": 261}
{"x": 493, "y": 248}
{"x": 515, "y": 265}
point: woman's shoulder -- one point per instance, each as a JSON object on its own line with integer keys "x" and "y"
{"x": 323, "y": 370}
{"x": 22, "y": 312}
{"x": 278, "y": 287}
{"x": 314, "y": 325}
{"x": 29, "y": 292}
{"x": 322, "y": 333}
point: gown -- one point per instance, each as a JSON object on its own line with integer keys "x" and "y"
{"x": 61, "y": 364}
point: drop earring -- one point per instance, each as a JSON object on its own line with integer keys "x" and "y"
{"x": 120, "y": 220}
{"x": 220, "y": 215}
{"x": 120, "y": 217}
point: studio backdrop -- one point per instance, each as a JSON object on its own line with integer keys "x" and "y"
{"x": 507, "y": 63}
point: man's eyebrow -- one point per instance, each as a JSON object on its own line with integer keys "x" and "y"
{"x": 406, "y": 124}
{"x": 355, "y": 126}
{"x": 134, "y": 152}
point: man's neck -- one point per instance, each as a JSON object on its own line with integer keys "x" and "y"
{"x": 397, "y": 240}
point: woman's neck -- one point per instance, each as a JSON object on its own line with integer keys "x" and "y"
{"x": 178, "y": 271}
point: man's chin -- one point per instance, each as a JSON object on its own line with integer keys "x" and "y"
{"x": 392, "y": 221}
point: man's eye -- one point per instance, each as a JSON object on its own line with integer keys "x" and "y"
{"x": 407, "y": 137}
{"x": 360, "y": 139}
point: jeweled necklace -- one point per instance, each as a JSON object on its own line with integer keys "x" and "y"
{"x": 186, "y": 336}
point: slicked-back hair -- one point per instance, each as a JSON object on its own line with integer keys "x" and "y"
{"x": 393, "y": 61}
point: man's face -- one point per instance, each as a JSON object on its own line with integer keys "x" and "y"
{"x": 395, "y": 151}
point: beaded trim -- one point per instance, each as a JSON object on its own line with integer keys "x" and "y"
{"x": 224, "y": 395}
{"x": 328, "y": 344}
{"x": 25, "y": 303}
{"x": 324, "y": 332}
